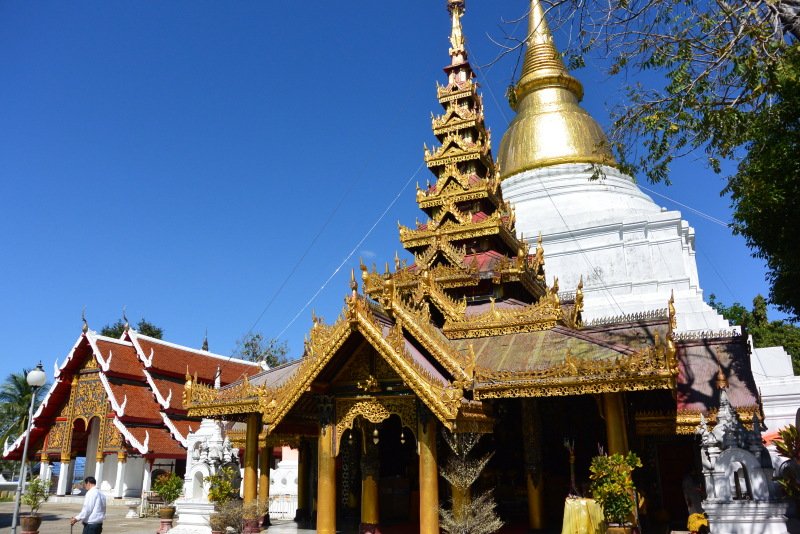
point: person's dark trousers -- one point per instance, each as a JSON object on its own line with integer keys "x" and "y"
{"x": 92, "y": 528}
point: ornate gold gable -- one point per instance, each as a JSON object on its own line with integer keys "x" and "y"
{"x": 443, "y": 398}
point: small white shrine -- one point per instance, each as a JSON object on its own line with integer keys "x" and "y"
{"x": 208, "y": 452}
{"x": 741, "y": 496}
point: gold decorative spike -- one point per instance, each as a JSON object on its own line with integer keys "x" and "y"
{"x": 456, "y": 8}
{"x": 353, "y": 283}
{"x": 550, "y": 127}
{"x": 722, "y": 380}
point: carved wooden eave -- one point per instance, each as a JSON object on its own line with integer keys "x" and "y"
{"x": 685, "y": 422}
{"x": 493, "y": 225}
{"x": 457, "y": 118}
{"x": 648, "y": 369}
{"x": 542, "y": 315}
{"x": 442, "y": 399}
{"x": 201, "y": 400}
{"x": 456, "y": 187}
{"x": 455, "y": 91}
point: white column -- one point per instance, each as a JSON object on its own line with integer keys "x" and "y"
{"x": 98, "y": 471}
{"x": 70, "y": 476}
{"x": 119, "y": 485}
{"x": 146, "y": 478}
{"x": 43, "y": 465}
{"x": 63, "y": 478}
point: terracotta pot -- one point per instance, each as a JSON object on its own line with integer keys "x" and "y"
{"x": 616, "y": 529}
{"x": 166, "y": 512}
{"x": 30, "y": 523}
{"x": 252, "y": 526}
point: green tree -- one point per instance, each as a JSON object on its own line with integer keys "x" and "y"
{"x": 713, "y": 78}
{"x": 254, "y": 347}
{"x": 144, "y": 327}
{"x": 15, "y": 401}
{"x": 765, "y": 333}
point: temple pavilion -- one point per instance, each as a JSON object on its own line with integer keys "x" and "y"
{"x": 117, "y": 403}
{"x": 473, "y": 336}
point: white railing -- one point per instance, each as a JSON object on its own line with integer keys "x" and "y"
{"x": 282, "y": 506}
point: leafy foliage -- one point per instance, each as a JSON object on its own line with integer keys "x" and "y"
{"x": 169, "y": 487}
{"x": 254, "y": 347}
{"x": 765, "y": 333}
{"x": 15, "y": 401}
{"x": 144, "y": 327}
{"x": 788, "y": 446}
{"x": 612, "y": 485}
{"x": 221, "y": 486}
{"x": 462, "y": 470}
{"x": 713, "y": 78}
{"x": 37, "y": 491}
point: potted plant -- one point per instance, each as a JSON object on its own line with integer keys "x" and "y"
{"x": 37, "y": 491}
{"x": 221, "y": 491}
{"x": 612, "y": 487}
{"x": 169, "y": 487}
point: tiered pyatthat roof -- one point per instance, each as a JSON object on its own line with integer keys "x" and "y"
{"x": 467, "y": 251}
{"x": 134, "y": 385}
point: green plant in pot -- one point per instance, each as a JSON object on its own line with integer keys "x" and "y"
{"x": 37, "y": 491}
{"x": 169, "y": 487}
{"x": 612, "y": 485}
{"x": 222, "y": 491}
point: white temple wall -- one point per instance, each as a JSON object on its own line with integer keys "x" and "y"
{"x": 133, "y": 477}
{"x": 109, "y": 474}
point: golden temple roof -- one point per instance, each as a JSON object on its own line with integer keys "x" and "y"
{"x": 550, "y": 126}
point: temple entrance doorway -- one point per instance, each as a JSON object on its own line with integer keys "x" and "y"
{"x": 539, "y": 436}
{"x": 378, "y": 483}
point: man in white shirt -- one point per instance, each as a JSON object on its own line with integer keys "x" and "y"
{"x": 93, "y": 512}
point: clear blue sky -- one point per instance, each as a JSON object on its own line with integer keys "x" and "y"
{"x": 180, "y": 158}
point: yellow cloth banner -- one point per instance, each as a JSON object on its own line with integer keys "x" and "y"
{"x": 582, "y": 516}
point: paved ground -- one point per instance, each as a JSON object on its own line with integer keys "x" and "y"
{"x": 55, "y": 520}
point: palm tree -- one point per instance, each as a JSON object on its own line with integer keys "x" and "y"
{"x": 15, "y": 401}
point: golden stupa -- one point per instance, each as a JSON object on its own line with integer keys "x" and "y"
{"x": 550, "y": 126}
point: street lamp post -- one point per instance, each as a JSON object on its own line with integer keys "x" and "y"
{"x": 36, "y": 379}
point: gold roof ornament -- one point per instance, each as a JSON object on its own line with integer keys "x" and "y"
{"x": 550, "y": 126}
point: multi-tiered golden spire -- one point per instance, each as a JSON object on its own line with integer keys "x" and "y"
{"x": 468, "y": 245}
{"x": 550, "y": 127}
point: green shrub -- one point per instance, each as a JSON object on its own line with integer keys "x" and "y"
{"x": 612, "y": 485}
{"x": 37, "y": 491}
{"x": 169, "y": 487}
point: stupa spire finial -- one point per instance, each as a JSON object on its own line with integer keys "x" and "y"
{"x": 458, "y": 51}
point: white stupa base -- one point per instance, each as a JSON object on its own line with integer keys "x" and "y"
{"x": 193, "y": 517}
{"x": 631, "y": 253}
{"x": 747, "y": 517}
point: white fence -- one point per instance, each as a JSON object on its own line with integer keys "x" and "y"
{"x": 282, "y": 506}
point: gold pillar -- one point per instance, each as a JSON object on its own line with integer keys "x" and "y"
{"x": 532, "y": 448}
{"x": 370, "y": 465}
{"x": 265, "y": 461}
{"x": 326, "y": 480}
{"x": 461, "y": 501}
{"x": 302, "y": 481}
{"x": 535, "y": 503}
{"x": 614, "y": 412}
{"x": 428, "y": 477}
{"x": 251, "y": 458}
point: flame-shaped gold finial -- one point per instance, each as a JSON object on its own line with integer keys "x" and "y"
{"x": 457, "y": 50}
{"x": 550, "y": 127}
